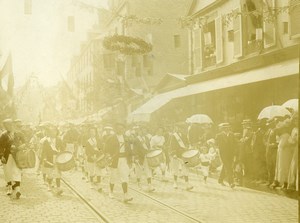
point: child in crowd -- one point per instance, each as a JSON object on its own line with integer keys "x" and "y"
{"x": 206, "y": 157}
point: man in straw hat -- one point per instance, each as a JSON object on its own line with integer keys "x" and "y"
{"x": 8, "y": 149}
{"x": 226, "y": 143}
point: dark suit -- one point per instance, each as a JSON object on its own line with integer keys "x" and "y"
{"x": 139, "y": 151}
{"x": 48, "y": 152}
{"x": 226, "y": 144}
{"x": 175, "y": 148}
{"x": 112, "y": 147}
{"x": 6, "y": 142}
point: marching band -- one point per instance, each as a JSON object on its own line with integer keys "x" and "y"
{"x": 118, "y": 152}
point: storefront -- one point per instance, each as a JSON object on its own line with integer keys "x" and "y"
{"x": 230, "y": 98}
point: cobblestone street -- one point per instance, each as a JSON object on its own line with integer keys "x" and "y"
{"x": 209, "y": 202}
{"x": 37, "y": 205}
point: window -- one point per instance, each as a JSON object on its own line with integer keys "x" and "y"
{"x": 138, "y": 70}
{"x": 177, "y": 42}
{"x": 269, "y": 26}
{"x": 71, "y": 24}
{"x": 120, "y": 68}
{"x": 285, "y": 27}
{"x": 134, "y": 61}
{"x": 147, "y": 60}
{"x": 109, "y": 60}
{"x": 230, "y": 35}
{"x": 209, "y": 52}
{"x": 27, "y": 7}
{"x": 252, "y": 25}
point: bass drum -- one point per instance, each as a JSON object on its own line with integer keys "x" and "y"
{"x": 155, "y": 158}
{"x": 65, "y": 161}
{"x": 25, "y": 159}
{"x": 191, "y": 158}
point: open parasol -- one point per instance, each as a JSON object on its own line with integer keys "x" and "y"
{"x": 273, "y": 111}
{"x": 200, "y": 119}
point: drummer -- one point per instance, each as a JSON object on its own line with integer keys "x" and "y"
{"x": 177, "y": 147}
{"x": 141, "y": 147}
{"x": 8, "y": 147}
{"x": 157, "y": 142}
{"x": 119, "y": 150}
{"x": 93, "y": 153}
{"x": 51, "y": 147}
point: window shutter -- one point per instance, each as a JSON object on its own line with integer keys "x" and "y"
{"x": 238, "y": 37}
{"x": 219, "y": 39}
{"x": 295, "y": 18}
{"x": 197, "y": 49}
{"x": 269, "y": 28}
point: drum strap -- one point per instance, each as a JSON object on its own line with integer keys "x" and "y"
{"x": 179, "y": 140}
{"x": 143, "y": 142}
{"x": 92, "y": 142}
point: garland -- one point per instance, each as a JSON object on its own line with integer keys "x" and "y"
{"x": 128, "y": 19}
{"x": 126, "y": 44}
{"x": 268, "y": 15}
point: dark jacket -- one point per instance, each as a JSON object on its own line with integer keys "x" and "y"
{"x": 139, "y": 151}
{"x": 91, "y": 151}
{"x": 227, "y": 146}
{"x": 48, "y": 152}
{"x": 112, "y": 147}
{"x": 174, "y": 146}
{"x": 6, "y": 143}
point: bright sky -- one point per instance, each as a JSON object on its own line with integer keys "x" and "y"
{"x": 40, "y": 43}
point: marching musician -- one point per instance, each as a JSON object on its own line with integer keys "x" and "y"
{"x": 93, "y": 153}
{"x": 81, "y": 150}
{"x": 157, "y": 142}
{"x": 51, "y": 147}
{"x": 140, "y": 149}
{"x": 119, "y": 149}
{"x": 10, "y": 142}
{"x": 177, "y": 147}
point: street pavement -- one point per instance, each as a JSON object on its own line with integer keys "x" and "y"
{"x": 37, "y": 205}
{"x": 208, "y": 202}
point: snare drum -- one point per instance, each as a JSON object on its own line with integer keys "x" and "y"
{"x": 65, "y": 161}
{"x": 191, "y": 158}
{"x": 25, "y": 158}
{"x": 155, "y": 158}
{"x": 101, "y": 161}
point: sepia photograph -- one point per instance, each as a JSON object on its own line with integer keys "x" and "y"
{"x": 149, "y": 111}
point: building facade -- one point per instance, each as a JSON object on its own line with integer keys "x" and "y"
{"x": 101, "y": 78}
{"x": 243, "y": 56}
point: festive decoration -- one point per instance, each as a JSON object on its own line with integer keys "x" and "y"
{"x": 126, "y": 44}
{"x": 128, "y": 19}
{"x": 269, "y": 14}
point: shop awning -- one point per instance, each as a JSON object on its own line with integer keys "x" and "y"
{"x": 286, "y": 68}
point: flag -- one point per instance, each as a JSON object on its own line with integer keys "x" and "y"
{"x": 7, "y": 71}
